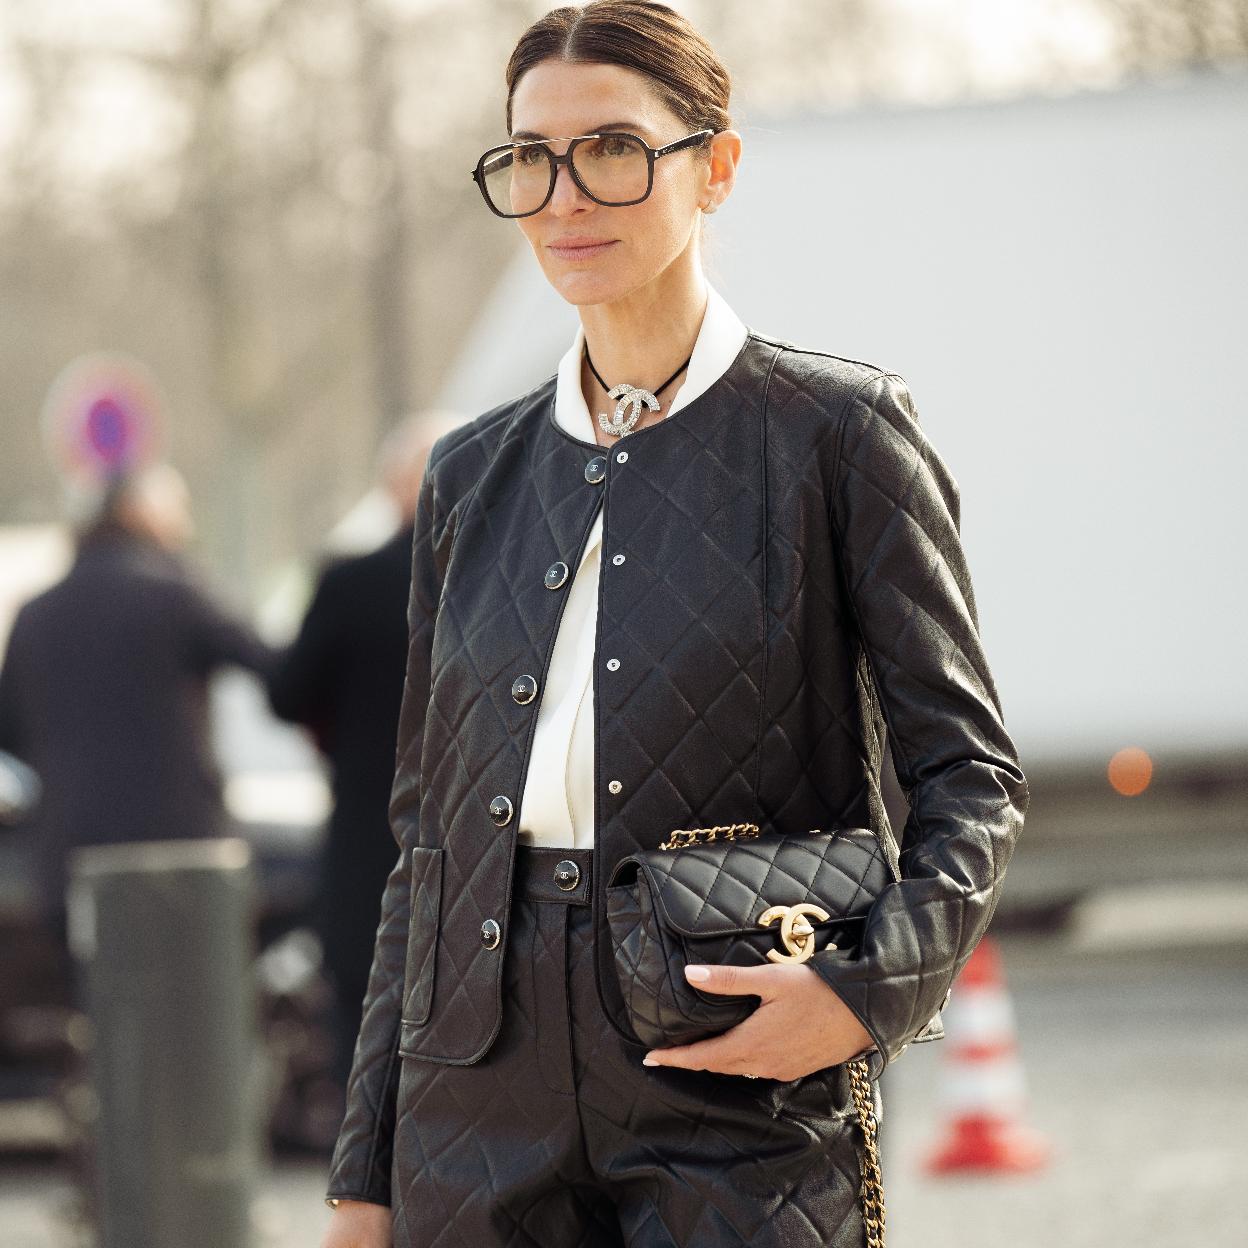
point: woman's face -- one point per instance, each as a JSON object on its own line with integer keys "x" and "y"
{"x": 633, "y": 244}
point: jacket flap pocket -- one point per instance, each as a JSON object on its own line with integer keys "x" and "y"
{"x": 422, "y": 933}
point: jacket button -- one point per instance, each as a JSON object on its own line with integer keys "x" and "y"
{"x": 617, "y": 560}
{"x": 501, "y": 810}
{"x": 615, "y": 786}
{"x": 524, "y": 689}
{"x": 622, "y": 457}
{"x": 556, "y": 574}
{"x": 491, "y": 933}
{"x": 613, "y": 665}
{"x": 596, "y": 469}
{"x": 567, "y": 874}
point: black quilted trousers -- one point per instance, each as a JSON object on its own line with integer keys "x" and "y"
{"x": 560, "y": 1138}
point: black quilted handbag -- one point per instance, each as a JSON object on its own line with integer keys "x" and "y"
{"x": 729, "y": 895}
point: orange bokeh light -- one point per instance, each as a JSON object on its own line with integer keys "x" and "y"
{"x": 1130, "y": 771}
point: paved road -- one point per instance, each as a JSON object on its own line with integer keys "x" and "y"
{"x": 1135, "y": 1064}
{"x": 1134, "y": 1052}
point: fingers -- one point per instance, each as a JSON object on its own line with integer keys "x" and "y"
{"x": 762, "y": 1044}
{"x": 732, "y": 1052}
{"x": 759, "y": 981}
{"x": 725, "y": 1054}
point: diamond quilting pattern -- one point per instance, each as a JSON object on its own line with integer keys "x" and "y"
{"x": 715, "y": 890}
{"x": 794, "y": 599}
{"x": 635, "y": 1157}
{"x": 667, "y": 909}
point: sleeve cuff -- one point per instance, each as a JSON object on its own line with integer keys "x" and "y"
{"x": 333, "y": 1201}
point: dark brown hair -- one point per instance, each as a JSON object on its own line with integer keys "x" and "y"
{"x": 651, "y": 38}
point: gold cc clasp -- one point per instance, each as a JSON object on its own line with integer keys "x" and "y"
{"x": 796, "y": 933}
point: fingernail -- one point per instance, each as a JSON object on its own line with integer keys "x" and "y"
{"x": 698, "y": 973}
{"x": 648, "y": 1061}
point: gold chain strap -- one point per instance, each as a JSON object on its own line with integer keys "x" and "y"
{"x": 682, "y": 838}
{"x": 872, "y": 1192}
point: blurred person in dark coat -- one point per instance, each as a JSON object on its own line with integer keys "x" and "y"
{"x": 104, "y": 685}
{"x": 342, "y": 678}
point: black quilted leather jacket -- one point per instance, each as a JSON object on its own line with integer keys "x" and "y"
{"x": 792, "y": 580}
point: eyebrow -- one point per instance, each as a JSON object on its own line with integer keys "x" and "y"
{"x": 634, "y": 126}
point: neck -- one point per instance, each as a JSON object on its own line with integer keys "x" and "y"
{"x": 643, "y": 338}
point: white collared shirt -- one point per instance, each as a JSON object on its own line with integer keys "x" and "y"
{"x": 557, "y": 803}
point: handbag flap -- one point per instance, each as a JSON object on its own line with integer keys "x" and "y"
{"x": 723, "y": 887}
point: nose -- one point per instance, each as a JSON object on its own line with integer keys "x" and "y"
{"x": 567, "y": 196}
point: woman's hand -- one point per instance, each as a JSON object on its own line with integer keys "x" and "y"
{"x": 359, "y": 1224}
{"x": 801, "y": 1025}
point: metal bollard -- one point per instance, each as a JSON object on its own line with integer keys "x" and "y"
{"x": 162, "y": 934}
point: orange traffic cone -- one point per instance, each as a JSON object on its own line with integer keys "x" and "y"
{"x": 985, "y": 1092}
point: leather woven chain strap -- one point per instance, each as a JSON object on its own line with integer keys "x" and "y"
{"x": 872, "y": 1192}
{"x": 682, "y": 838}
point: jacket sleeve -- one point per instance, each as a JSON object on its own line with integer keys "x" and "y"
{"x": 360, "y": 1166}
{"x": 215, "y": 634}
{"x": 895, "y": 515}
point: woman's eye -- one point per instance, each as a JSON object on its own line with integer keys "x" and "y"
{"x": 607, "y": 147}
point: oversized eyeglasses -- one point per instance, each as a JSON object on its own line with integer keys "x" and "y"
{"x": 613, "y": 169}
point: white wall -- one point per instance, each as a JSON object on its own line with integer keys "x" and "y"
{"x": 1062, "y": 282}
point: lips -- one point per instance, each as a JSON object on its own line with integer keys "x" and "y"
{"x": 579, "y": 248}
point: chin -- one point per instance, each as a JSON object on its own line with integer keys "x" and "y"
{"x": 584, "y": 286}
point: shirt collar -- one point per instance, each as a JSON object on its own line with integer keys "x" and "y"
{"x": 720, "y": 339}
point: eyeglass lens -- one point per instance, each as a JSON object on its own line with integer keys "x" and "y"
{"x": 613, "y": 168}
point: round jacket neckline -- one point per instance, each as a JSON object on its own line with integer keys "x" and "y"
{"x": 602, "y": 448}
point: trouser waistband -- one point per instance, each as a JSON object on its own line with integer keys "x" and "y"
{"x": 549, "y": 873}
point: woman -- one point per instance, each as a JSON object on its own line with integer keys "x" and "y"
{"x": 700, "y": 604}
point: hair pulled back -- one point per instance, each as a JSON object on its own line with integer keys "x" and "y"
{"x": 651, "y": 38}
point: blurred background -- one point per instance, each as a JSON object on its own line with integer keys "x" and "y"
{"x": 239, "y": 237}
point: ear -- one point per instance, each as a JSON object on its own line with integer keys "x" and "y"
{"x": 721, "y": 169}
